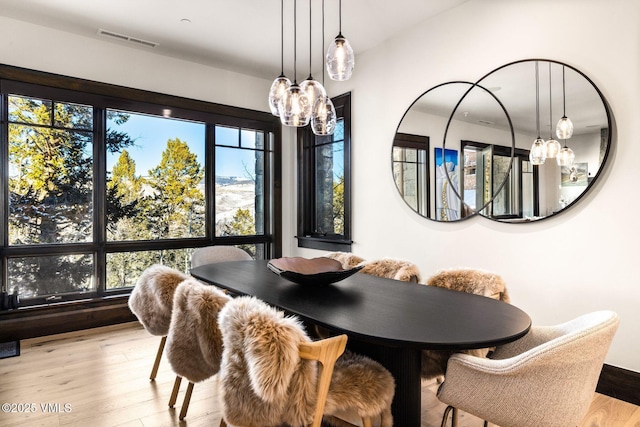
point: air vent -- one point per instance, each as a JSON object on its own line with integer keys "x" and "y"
{"x": 126, "y": 38}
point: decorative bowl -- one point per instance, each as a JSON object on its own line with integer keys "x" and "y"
{"x": 314, "y": 271}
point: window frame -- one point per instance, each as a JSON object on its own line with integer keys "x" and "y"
{"x": 103, "y": 96}
{"x": 307, "y": 214}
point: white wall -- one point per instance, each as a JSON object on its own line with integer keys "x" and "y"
{"x": 582, "y": 260}
{"x": 588, "y": 253}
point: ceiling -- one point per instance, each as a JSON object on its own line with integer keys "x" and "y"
{"x": 237, "y": 35}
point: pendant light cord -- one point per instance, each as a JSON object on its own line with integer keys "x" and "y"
{"x": 340, "y": 18}
{"x": 537, "y": 100}
{"x": 323, "y": 42}
{"x": 282, "y": 37}
{"x": 550, "y": 106}
{"x": 564, "y": 98}
{"x": 310, "y": 38}
{"x": 295, "y": 31}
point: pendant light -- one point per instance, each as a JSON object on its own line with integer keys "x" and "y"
{"x": 294, "y": 106}
{"x": 323, "y": 112}
{"x": 566, "y": 156}
{"x": 281, "y": 83}
{"x": 311, "y": 87}
{"x": 552, "y": 146}
{"x": 564, "y": 129}
{"x": 340, "y": 58}
{"x": 538, "y": 152}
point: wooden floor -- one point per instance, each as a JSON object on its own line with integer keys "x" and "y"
{"x": 100, "y": 378}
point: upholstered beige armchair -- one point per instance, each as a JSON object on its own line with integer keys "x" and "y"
{"x": 547, "y": 378}
{"x": 194, "y": 341}
{"x": 212, "y": 254}
{"x": 151, "y": 301}
{"x": 270, "y": 374}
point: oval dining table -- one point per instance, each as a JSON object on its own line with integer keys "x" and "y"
{"x": 388, "y": 320}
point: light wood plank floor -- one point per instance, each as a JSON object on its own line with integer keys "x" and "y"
{"x": 100, "y": 378}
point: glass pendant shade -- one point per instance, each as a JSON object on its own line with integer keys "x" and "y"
{"x": 278, "y": 88}
{"x": 564, "y": 129}
{"x": 294, "y": 107}
{"x": 340, "y": 59}
{"x": 538, "y": 153}
{"x": 323, "y": 116}
{"x": 566, "y": 156}
{"x": 553, "y": 148}
{"x": 313, "y": 89}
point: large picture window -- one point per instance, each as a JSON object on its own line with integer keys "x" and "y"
{"x": 105, "y": 181}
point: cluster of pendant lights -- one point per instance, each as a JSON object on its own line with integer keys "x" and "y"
{"x": 308, "y": 103}
{"x": 541, "y": 149}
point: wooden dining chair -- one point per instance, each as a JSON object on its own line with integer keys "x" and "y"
{"x": 194, "y": 341}
{"x": 151, "y": 301}
{"x": 471, "y": 281}
{"x": 272, "y": 373}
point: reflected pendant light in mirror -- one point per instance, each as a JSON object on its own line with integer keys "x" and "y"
{"x": 340, "y": 58}
{"x": 564, "y": 129}
{"x": 323, "y": 112}
{"x": 552, "y": 146}
{"x": 538, "y": 152}
{"x": 311, "y": 87}
{"x": 294, "y": 106}
{"x": 281, "y": 83}
{"x": 566, "y": 156}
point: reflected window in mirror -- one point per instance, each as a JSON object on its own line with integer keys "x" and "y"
{"x": 486, "y": 169}
{"x": 324, "y": 184}
{"x": 410, "y": 170}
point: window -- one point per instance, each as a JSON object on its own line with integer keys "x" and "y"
{"x": 104, "y": 181}
{"x": 324, "y": 171}
{"x": 410, "y": 170}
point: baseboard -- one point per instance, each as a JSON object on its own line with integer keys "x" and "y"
{"x": 620, "y": 384}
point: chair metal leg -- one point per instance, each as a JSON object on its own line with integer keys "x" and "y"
{"x": 486, "y": 424}
{"x": 156, "y": 364}
{"x": 174, "y": 392}
{"x": 185, "y": 403}
{"x": 454, "y": 416}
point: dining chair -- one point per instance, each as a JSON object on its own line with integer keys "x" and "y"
{"x": 347, "y": 259}
{"x": 273, "y": 374}
{"x": 471, "y": 281}
{"x": 392, "y": 269}
{"x": 546, "y": 378}
{"x": 194, "y": 341}
{"x": 212, "y": 254}
{"x": 151, "y": 301}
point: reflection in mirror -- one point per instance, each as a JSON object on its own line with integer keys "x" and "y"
{"x": 484, "y": 162}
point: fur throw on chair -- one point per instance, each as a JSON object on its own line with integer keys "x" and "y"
{"x": 393, "y": 269}
{"x": 264, "y": 380}
{"x": 347, "y": 259}
{"x": 472, "y": 281}
{"x": 151, "y": 299}
{"x": 194, "y": 342}
{"x": 361, "y": 383}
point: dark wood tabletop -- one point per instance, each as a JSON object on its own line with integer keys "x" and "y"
{"x": 388, "y": 319}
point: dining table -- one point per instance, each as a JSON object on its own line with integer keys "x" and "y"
{"x": 388, "y": 320}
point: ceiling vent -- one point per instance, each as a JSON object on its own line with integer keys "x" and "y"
{"x": 126, "y": 38}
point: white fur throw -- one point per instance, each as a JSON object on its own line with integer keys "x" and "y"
{"x": 151, "y": 299}
{"x": 194, "y": 342}
{"x": 264, "y": 381}
{"x": 347, "y": 259}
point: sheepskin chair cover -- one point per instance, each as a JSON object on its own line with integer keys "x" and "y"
{"x": 472, "y": 281}
{"x": 264, "y": 380}
{"x": 194, "y": 342}
{"x": 151, "y": 299}
{"x": 347, "y": 259}
{"x": 213, "y": 254}
{"x": 361, "y": 384}
{"x": 393, "y": 269}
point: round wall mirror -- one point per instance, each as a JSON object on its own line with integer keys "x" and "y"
{"x": 464, "y": 148}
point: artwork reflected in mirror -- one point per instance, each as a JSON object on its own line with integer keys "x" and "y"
{"x": 464, "y": 148}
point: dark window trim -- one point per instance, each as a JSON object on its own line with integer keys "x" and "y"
{"x": 306, "y": 185}
{"x": 102, "y": 96}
